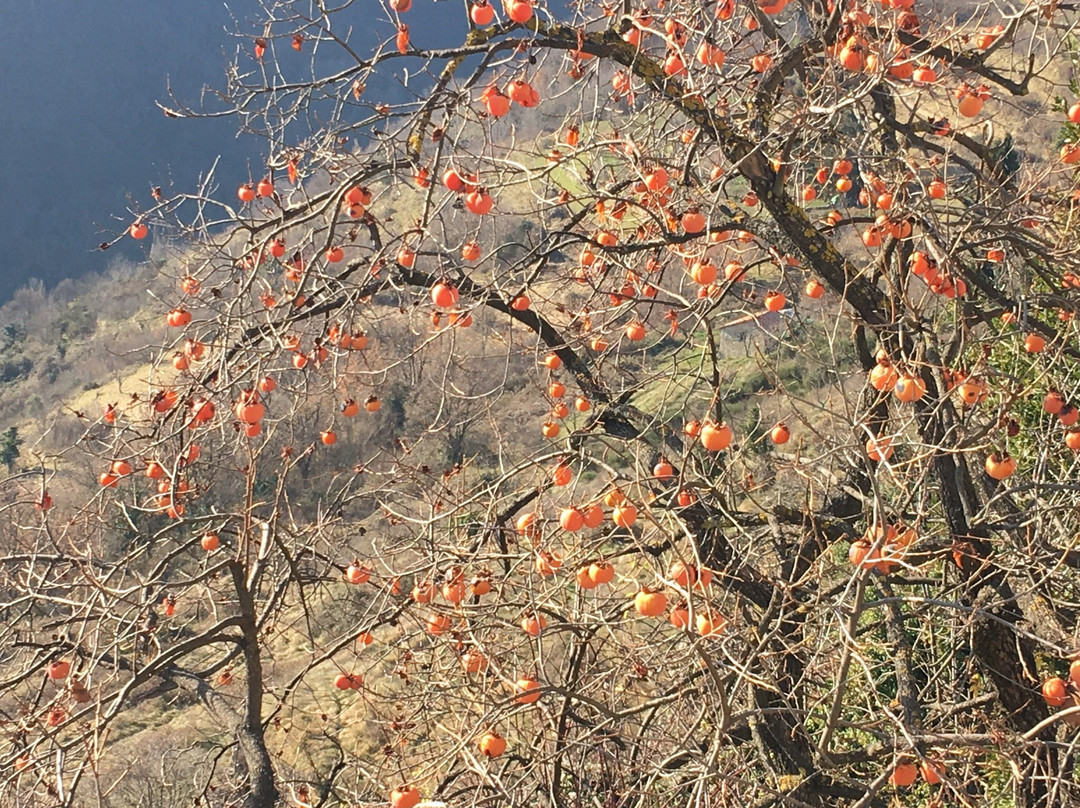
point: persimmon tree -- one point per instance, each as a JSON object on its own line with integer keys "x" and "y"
{"x": 451, "y": 479}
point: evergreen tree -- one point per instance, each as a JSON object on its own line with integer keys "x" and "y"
{"x": 9, "y": 448}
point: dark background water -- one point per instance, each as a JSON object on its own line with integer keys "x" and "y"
{"x": 82, "y": 139}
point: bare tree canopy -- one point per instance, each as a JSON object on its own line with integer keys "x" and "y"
{"x": 662, "y": 404}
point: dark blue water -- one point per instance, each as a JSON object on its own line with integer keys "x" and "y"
{"x": 82, "y": 139}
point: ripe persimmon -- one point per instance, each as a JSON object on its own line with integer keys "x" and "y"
{"x": 357, "y": 573}
{"x": 932, "y": 771}
{"x": 909, "y": 388}
{"x": 527, "y": 690}
{"x": 761, "y": 62}
{"x": 561, "y": 475}
{"x": 404, "y": 797}
{"x": 649, "y": 603}
{"x": 523, "y": 93}
{"x": 491, "y": 745}
{"x": 884, "y": 377}
{"x": 708, "y": 624}
{"x": 594, "y": 516}
{"x": 716, "y": 437}
{"x": 178, "y": 317}
{"x": 924, "y": 74}
{"x": 444, "y": 295}
{"x": 688, "y": 575}
{"x": 481, "y": 12}
{"x": 479, "y": 202}
{"x": 519, "y": 11}
{"x": 571, "y": 520}
{"x": 1074, "y": 673}
{"x": 879, "y": 448}
{"x": 526, "y": 525}
{"x": 454, "y": 181}
{"x": 903, "y": 774}
{"x": 1054, "y": 691}
{"x": 693, "y": 221}
{"x": 624, "y": 515}
{"x": 437, "y": 623}
{"x": 679, "y": 616}
{"x": 703, "y": 272}
{"x": 548, "y": 563}
{"x": 533, "y": 624}
{"x": 601, "y": 572}
{"x": 495, "y": 101}
{"x": 1000, "y": 466}
{"x": 584, "y": 580}
{"x": 775, "y": 300}
{"x": 780, "y": 433}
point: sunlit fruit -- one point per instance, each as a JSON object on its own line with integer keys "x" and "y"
{"x": 780, "y": 434}
{"x": 1000, "y": 466}
{"x": 482, "y": 12}
{"x": 533, "y": 624}
{"x": 624, "y": 515}
{"x": 519, "y": 11}
{"x": 932, "y": 771}
{"x": 357, "y": 573}
{"x": 491, "y": 745}
{"x": 909, "y": 388}
{"x": 1054, "y": 691}
{"x": 571, "y": 520}
{"x": 561, "y": 475}
{"x": 903, "y": 774}
{"x": 584, "y": 580}
{"x": 879, "y": 448}
{"x": 527, "y": 690}
{"x": 601, "y": 572}
{"x": 437, "y": 623}
{"x": 715, "y": 437}
{"x": 775, "y": 301}
{"x": 648, "y": 603}
{"x": 707, "y": 624}
{"x": 404, "y": 797}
